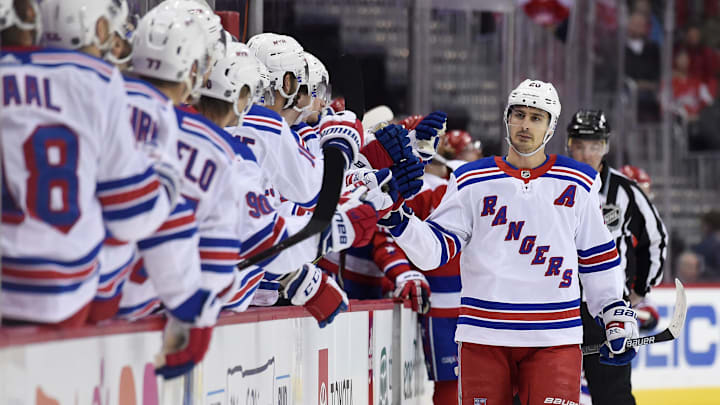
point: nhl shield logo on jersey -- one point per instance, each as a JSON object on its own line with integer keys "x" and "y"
{"x": 611, "y": 214}
{"x": 525, "y": 174}
{"x": 480, "y": 401}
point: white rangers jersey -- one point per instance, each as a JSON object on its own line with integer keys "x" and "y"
{"x": 235, "y": 218}
{"x": 290, "y": 168}
{"x": 526, "y": 237}
{"x": 169, "y": 256}
{"x": 71, "y": 171}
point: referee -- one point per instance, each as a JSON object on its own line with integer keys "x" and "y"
{"x": 641, "y": 240}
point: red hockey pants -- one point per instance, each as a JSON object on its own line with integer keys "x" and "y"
{"x": 491, "y": 375}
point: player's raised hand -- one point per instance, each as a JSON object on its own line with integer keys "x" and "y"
{"x": 312, "y": 288}
{"x": 413, "y": 285}
{"x": 407, "y": 176}
{"x": 620, "y": 324}
{"x": 427, "y": 133}
{"x": 343, "y": 131}
{"x": 397, "y": 219}
{"x": 382, "y": 190}
{"x": 353, "y": 224}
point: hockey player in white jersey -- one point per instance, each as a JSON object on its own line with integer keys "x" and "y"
{"x": 224, "y": 98}
{"x": 312, "y": 97}
{"x": 291, "y": 169}
{"x": 61, "y": 110}
{"x": 529, "y": 225}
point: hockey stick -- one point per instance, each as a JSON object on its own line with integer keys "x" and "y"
{"x": 333, "y": 176}
{"x": 333, "y": 171}
{"x": 672, "y": 332}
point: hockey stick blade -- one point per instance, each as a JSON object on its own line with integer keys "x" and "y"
{"x": 672, "y": 332}
{"x": 333, "y": 176}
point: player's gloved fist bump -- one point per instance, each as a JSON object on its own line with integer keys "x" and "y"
{"x": 353, "y": 224}
{"x": 427, "y": 134}
{"x": 342, "y": 131}
{"x": 382, "y": 191}
{"x": 184, "y": 345}
{"x": 387, "y": 146}
{"x": 620, "y": 324}
{"x": 396, "y": 220}
{"x": 407, "y": 176}
{"x": 319, "y": 294}
{"x": 414, "y": 286}
{"x": 394, "y": 139}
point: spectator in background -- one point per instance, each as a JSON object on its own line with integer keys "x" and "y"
{"x": 644, "y": 7}
{"x": 703, "y": 63}
{"x": 688, "y": 267}
{"x": 711, "y": 26}
{"x": 709, "y": 248}
{"x": 690, "y": 92}
{"x": 642, "y": 64}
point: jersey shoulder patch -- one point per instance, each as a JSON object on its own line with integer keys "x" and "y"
{"x": 263, "y": 119}
{"x": 478, "y": 171}
{"x": 483, "y": 163}
{"x": 569, "y": 169}
{"x": 64, "y": 57}
{"x": 138, "y": 87}
{"x": 203, "y": 128}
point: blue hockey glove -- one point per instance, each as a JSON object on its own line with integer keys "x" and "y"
{"x": 427, "y": 135}
{"x": 394, "y": 139}
{"x": 407, "y": 177}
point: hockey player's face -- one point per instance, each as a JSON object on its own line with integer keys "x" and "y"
{"x": 527, "y": 127}
{"x": 587, "y": 151}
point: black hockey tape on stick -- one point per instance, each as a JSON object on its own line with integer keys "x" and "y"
{"x": 672, "y": 332}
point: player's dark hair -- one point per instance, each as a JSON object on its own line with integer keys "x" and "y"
{"x": 12, "y": 35}
{"x": 213, "y": 108}
{"x": 216, "y": 109}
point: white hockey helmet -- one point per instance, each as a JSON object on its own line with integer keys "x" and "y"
{"x": 318, "y": 81}
{"x": 71, "y": 24}
{"x": 280, "y": 54}
{"x": 10, "y": 18}
{"x": 537, "y": 94}
{"x": 166, "y": 45}
{"x": 267, "y": 96}
{"x": 208, "y": 20}
{"x": 230, "y": 74}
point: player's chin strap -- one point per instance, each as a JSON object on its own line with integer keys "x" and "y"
{"x": 527, "y": 154}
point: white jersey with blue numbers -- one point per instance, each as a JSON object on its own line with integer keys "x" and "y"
{"x": 71, "y": 172}
{"x": 526, "y": 237}
{"x": 289, "y": 166}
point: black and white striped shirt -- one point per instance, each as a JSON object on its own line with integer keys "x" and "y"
{"x": 639, "y": 232}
